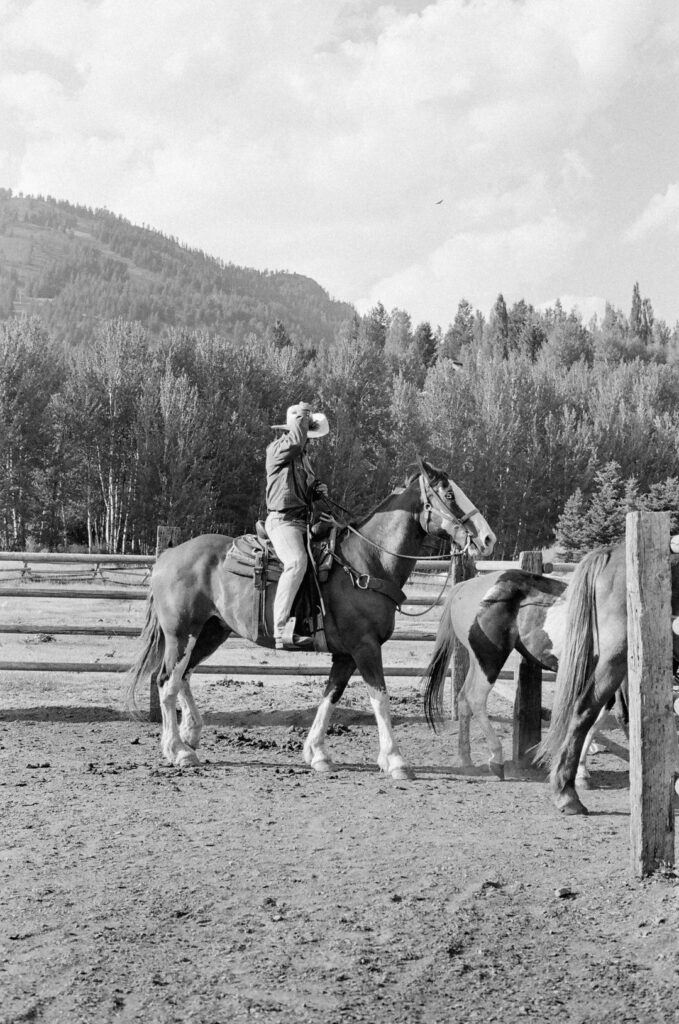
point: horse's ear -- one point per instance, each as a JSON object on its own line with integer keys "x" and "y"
{"x": 412, "y": 471}
{"x": 425, "y": 466}
{"x": 434, "y": 475}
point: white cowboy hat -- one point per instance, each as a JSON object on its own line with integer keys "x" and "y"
{"x": 318, "y": 422}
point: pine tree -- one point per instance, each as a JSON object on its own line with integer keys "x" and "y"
{"x": 425, "y": 343}
{"x": 635, "y": 317}
{"x": 664, "y": 497}
{"x": 374, "y": 326}
{"x": 569, "y": 528}
{"x": 279, "y": 335}
{"x": 460, "y": 333}
{"x": 497, "y": 332}
{"x": 605, "y": 520}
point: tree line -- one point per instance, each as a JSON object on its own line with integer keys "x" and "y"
{"x": 545, "y": 422}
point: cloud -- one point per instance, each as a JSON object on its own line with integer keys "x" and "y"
{"x": 520, "y": 261}
{"x": 317, "y": 137}
{"x": 661, "y": 214}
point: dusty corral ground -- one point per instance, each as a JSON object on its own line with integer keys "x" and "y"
{"x": 252, "y": 889}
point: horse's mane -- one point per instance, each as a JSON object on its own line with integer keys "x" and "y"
{"x": 435, "y": 476}
{"x": 358, "y": 523}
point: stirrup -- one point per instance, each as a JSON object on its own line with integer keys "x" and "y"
{"x": 289, "y": 640}
{"x": 295, "y": 643}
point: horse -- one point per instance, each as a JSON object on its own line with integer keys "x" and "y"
{"x": 492, "y": 615}
{"x": 195, "y": 604}
{"x": 578, "y": 630}
{"x": 593, "y": 666}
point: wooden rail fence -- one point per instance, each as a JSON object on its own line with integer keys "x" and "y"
{"x": 652, "y": 731}
{"x": 23, "y": 586}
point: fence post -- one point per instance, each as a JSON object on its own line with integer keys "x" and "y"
{"x": 528, "y": 679}
{"x": 462, "y": 569}
{"x": 166, "y": 537}
{"x": 649, "y": 671}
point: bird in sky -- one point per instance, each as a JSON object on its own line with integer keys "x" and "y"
{"x": 438, "y": 203}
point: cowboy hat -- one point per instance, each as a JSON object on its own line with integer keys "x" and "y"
{"x": 318, "y": 422}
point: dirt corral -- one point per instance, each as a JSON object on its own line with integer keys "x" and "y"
{"x": 252, "y": 889}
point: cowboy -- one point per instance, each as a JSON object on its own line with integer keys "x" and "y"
{"x": 291, "y": 488}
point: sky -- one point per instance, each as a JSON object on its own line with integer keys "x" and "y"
{"x": 408, "y": 153}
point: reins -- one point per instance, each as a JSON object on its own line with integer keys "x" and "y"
{"x": 425, "y": 611}
{"x": 429, "y": 499}
{"x": 396, "y": 554}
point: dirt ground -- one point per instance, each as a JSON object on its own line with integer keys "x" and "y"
{"x": 252, "y": 889}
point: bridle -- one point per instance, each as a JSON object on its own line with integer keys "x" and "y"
{"x": 433, "y": 502}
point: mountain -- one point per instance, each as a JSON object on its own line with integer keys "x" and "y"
{"x": 72, "y": 265}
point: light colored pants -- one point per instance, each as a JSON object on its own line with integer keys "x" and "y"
{"x": 289, "y": 542}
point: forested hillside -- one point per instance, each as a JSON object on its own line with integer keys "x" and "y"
{"x": 554, "y": 427}
{"x": 73, "y": 266}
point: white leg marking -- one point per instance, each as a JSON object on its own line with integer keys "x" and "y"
{"x": 192, "y": 720}
{"x": 390, "y": 759}
{"x": 315, "y": 753}
{"x": 474, "y": 693}
{"x": 478, "y": 702}
{"x": 582, "y": 777}
{"x": 174, "y": 749}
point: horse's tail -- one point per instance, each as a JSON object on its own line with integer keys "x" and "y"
{"x": 578, "y": 656}
{"x": 150, "y": 659}
{"x": 435, "y": 673}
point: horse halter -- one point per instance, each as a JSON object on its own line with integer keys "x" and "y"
{"x": 433, "y": 502}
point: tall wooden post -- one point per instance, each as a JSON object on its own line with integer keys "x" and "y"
{"x": 649, "y": 670}
{"x": 462, "y": 569}
{"x": 528, "y": 679}
{"x": 166, "y": 537}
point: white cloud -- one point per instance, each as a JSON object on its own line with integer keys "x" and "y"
{"x": 661, "y": 214}
{"x": 519, "y": 262}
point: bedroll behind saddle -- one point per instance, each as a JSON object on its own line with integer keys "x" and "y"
{"x": 253, "y": 558}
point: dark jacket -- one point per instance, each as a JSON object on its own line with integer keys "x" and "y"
{"x": 290, "y": 478}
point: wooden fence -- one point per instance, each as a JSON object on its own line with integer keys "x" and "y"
{"x": 652, "y": 732}
{"x": 79, "y": 581}
{"x": 652, "y": 729}
{"x": 83, "y": 577}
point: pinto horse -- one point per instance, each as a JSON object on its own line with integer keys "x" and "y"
{"x": 579, "y": 631}
{"x": 491, "y": 616}
{"x": 195, "y": 604}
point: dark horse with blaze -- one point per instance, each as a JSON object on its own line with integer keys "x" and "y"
{"x": 196, "y": 603}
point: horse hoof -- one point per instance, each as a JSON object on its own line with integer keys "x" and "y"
{"x": 323, "y": 767}
{"x": 572, "y": 807}
{"x": 402, "y": 774}
{"x": 187, "y": 759}
{"x": 497, "y": 769}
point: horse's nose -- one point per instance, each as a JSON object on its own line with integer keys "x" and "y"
{"x": 488, "y": 541}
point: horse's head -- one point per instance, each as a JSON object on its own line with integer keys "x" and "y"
{"x": 445, "y": 510}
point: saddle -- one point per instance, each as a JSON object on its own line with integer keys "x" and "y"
{"x": 253, "y": 558}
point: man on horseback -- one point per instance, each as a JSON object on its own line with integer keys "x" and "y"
{"x": 291, "y": 489}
